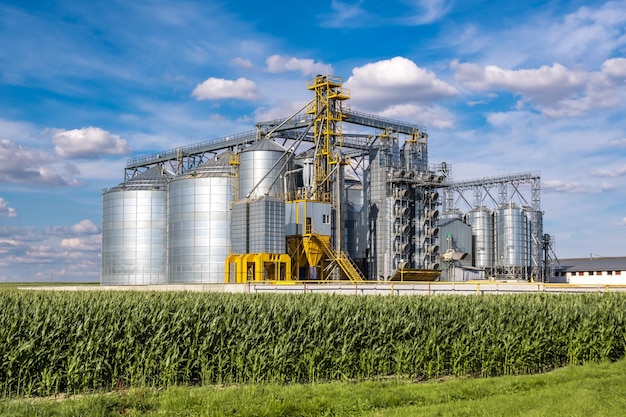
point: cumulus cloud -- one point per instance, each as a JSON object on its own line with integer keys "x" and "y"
{"x": 23, "y": 165}
{"x": 72, "y": 243}
{"x": 395, "y": 81}
{"x": 5, "y": 210}
{"x": 615, "y": 67}
{"x": 545, "y": 84}
{"x": 279, "y": 63}
{"x": 554, "y": 90}
{"x": 220, "y": 88}
{"x": 85, "y": 227}
{"x": 89, "y": 143}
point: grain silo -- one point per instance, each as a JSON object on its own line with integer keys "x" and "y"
{"x": 481, "y": 220}
{"x": 258, "y": 217}
{"x": 134, "y": 224}
{"x": 511, "y": 241}
{"x": 261, "y": 170}
{"x": 199, "y": 222}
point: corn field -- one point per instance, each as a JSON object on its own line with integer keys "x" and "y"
{"x": 53, "y": 342}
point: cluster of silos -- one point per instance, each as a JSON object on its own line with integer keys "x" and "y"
{"x": 502, "y": 239}
{"x": 159, "y": 228}
{"x": 134, "y": 230}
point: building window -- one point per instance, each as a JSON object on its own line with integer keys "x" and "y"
{"x": 581, "y": 273}
{"x": 325, "y": 218}
{"x": 609, "y": 272}
{"x": 598, "y": 272}
{"x": 590, "y": 273}
{"x": 618, "y": 272}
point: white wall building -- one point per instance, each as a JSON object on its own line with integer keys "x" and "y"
{"x": 592, "y": 270}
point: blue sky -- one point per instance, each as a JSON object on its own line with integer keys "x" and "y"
{"x": 503, "y": 87}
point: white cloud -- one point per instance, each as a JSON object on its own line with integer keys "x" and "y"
{"x": 5, "y": 210}
{"x": 396, "y": 81}
{"x": 72, "y": 243}
{"x": 219, "y": 88}
{"x": 610, "y": 173}
{"x": 85, "y": 227}
{"x": 560, "y": 186}
{"x": 584, "y": 37}
{"x": 242, "y": 63}
{"x": 615, "y": 67}
{"x": 345, "y": 15}
{"x": 431, "y": 115}
{"x": 425, "y": 11}
{"x": 622, "y": 222}
{"x": 546, "y": 84}
{"x": 24, "y": 165}
{"x": 554, "y": 90}
{"x": 279, "y": 63}
{"x": 88, "y": 142}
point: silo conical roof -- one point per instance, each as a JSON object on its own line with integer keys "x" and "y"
{"x": 265, "y": 145}
{"x": 154, "y": 178}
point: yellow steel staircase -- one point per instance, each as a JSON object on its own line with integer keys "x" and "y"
{"x": 341, "y": 259}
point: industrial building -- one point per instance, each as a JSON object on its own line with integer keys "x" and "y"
{"x": 593, "y": 270}
{"x": 328, "y": 193}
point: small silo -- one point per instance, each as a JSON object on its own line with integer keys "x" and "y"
{"x": 258, "y": 217}
{"x": 134, "y": 225}
{"x": 261, "y": 170}
{"x": 483, "y": 248}
{"x": 199, "y": 222}
{"x": 511, "y": 237}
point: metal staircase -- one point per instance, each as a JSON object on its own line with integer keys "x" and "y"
{"x": 342, "y": 260}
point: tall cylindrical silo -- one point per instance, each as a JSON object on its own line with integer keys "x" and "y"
{"x": 511, "y": 235}
{"x": 134, "y": 225}
{"x": 198, "y": 221}
{"x": 261, "y": 169}
{"x": 481, "y": 220}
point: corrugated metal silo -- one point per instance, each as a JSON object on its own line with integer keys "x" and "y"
{"x": 481, "y": 220}
{"x": 134, "y": 225}
{"x": 262, "y": 163}
{"x": 511, "y": 236}
{"x": 199, "y": 222}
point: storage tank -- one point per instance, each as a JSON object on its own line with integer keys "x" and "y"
{"x": 199, "y": 222}
{"x": 262, "y": 163}
{"x": 511, "y": 236}
{"x": 134, "y": 225}
{"x": 481, "y": 220}
{"x": 258, "y": 226}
